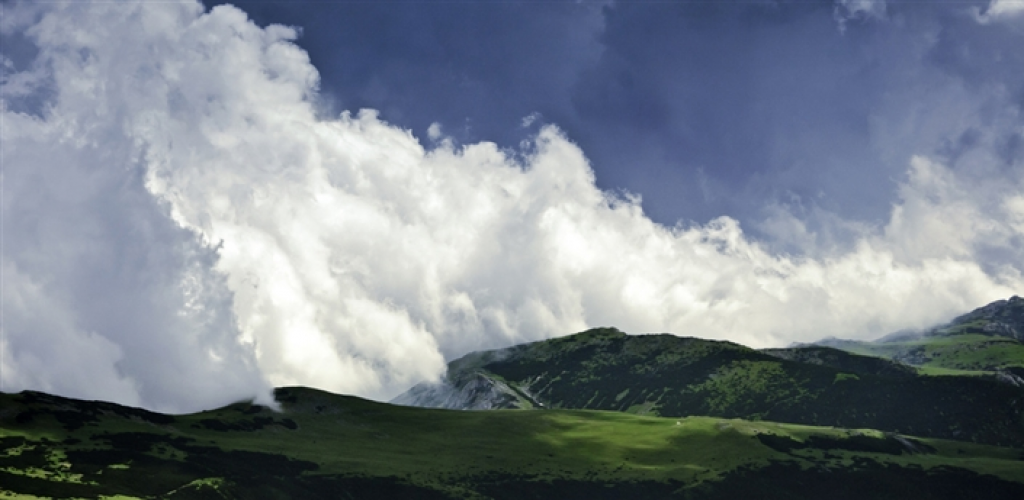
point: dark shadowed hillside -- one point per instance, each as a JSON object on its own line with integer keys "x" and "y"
{"x": 326, "y": 446}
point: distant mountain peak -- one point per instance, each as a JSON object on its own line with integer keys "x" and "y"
{"x": 988, "y": 339}
{"x": 1003, "y": 318}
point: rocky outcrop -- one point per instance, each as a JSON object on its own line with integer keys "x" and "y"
{"x": 473, "y": 392}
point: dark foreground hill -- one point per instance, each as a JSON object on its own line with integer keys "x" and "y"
{"x": 666, "y": 375}
{"x": 323, "y": 445}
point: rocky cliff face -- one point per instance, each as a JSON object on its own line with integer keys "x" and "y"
{"x": 469, "y": 386}
{"x": 475, "y": 391}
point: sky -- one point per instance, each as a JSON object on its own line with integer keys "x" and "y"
{"x": 204, "y": 201}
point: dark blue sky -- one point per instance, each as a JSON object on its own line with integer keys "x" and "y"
{"x": 702, "y": 108}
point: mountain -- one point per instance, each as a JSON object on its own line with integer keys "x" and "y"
{"x": 988, "y": 340}
{"x": 670, "y": 376}
{"x": 693, "y": 419}
{"x": 322, "y": 445}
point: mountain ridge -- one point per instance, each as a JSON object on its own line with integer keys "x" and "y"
{"x": 667, "y": 375}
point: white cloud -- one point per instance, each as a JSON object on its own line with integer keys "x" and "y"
{"x": 1000, "y": 10}
{"x": 104, "y": 296}
{"x": 50, "y": 353}
{"x": 434, "y": 131}
{"x": 529, "y": 119}
{"x": 344, "y": 255}
{"x": 844, "y": 10}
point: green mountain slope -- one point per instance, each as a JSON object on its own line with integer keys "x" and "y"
{"x": 988, "y": 340}
{"x": 327, "y": 446}
{"x": 665, "y": 375}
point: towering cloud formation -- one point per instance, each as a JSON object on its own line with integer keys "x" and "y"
{"x": 181, "y": 229}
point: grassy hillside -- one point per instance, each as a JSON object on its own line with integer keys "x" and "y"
{"x": 327, "y": 446}
{"x": 963, "y": 354}
{"x": 665, "y": 375}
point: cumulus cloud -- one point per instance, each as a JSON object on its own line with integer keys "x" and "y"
{"x": 104, "y": 296}
{"x": 182, "y": 228}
